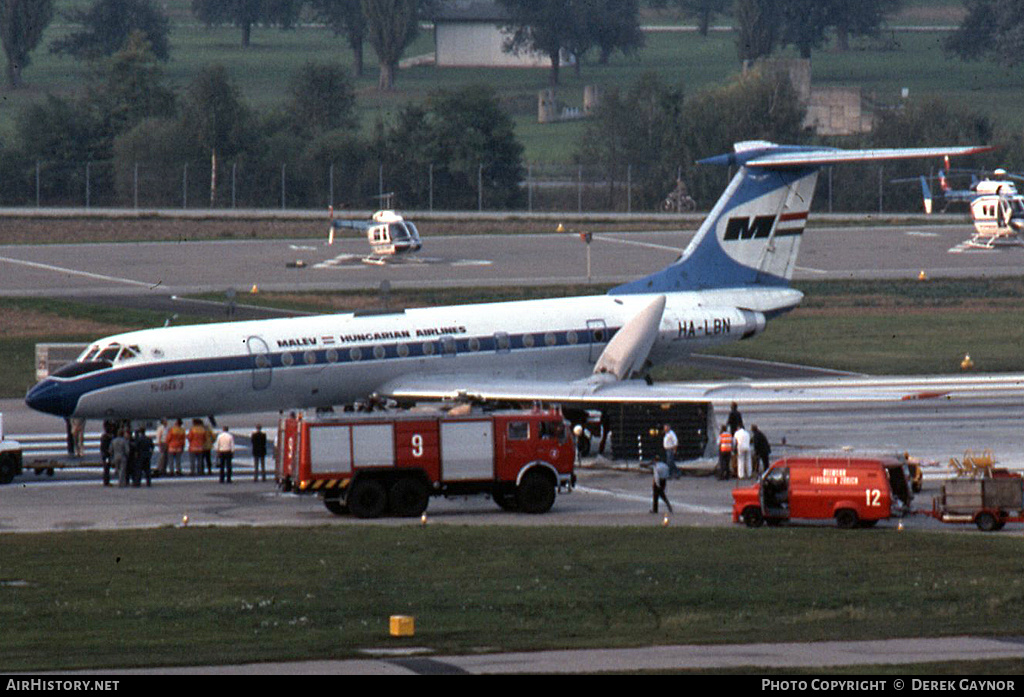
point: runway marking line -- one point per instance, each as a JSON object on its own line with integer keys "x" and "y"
{"x": 75, "y": 272}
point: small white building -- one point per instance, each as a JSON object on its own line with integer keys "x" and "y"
{"x": 469, "y": 34}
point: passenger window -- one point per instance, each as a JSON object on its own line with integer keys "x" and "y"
{"x": 519, "y": 430}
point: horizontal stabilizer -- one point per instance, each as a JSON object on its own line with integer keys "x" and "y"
{"x": 769, "y": 155}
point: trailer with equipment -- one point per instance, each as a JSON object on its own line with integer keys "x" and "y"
{"x": 989, "y": 502}
{"x": 391, "y": 463}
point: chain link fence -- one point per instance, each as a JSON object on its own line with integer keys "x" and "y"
{"x": 569, "y": 188}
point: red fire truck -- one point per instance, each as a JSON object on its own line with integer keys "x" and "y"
{"x": 372, "y": 464}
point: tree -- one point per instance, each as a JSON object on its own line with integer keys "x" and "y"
{"x": 758, "y": 105}
{"x": 551, "y": 27}
{"x": 127, "y": 88}
{"x": 107, "y": 26}
{"x": 858, "y": 18}
{"x": 991, "y": 29}
{"x": 215, "y": 118}
{"x": 638, "y": 129}
{"x": 466, "y": 136}
{"x": 322, "y": 99}
{"x": 21, "y": 27}
{"x": 614, "y": 25}
{"x": 703, "y": 10}
{"x": 805, "y": 24}
{"x": 541, "y": 26}
{"x": 345, "y": 17}
{"x": 391, "y": 25}
{"x": 246, "y": 13}
{"x": 757, "y": 28}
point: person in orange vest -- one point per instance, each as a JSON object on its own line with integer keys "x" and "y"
{"x": 175, "y": 447}
{"x": 724, "y": 453}
{"x": 196, "y": 443}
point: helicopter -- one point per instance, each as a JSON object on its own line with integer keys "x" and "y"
{"x": 388, "y": 233}
{"x": 997, "y": 208}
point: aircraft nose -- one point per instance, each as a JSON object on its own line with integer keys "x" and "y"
{"x": 51, "y": 397}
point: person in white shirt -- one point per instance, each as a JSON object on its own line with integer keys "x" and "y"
{"x": 669, "y": 443}
{"x": 741, "y": 441}
{"x": 225, "y": 447}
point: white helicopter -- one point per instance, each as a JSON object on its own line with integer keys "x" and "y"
{"x": 388, "y": 233}
{"x": 997, "y": 208}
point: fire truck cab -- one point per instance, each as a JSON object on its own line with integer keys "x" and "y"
{"x": 855, "y": 491}
{"x": 372, "y": 464}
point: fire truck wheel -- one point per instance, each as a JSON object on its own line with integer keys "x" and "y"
{"x": 506, "y": 499}
{"x": 752, "y": 517}
{"x": 986, "y": 522}
{"x": 536, "y": 493}
{"x": 846, "y": 518}
{"x": 335, "y": 506}
{"x": 367, "y": 499}
{"x": 408, "y": 497}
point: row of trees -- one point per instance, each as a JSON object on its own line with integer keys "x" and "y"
{"x": 648, "y": 134}
{"x": 128, "y": 115}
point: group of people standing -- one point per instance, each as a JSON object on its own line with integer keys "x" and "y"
{"x": 200, "y": 442}
{"x": 741, "y": 452}
{"x": 128, "y": 454}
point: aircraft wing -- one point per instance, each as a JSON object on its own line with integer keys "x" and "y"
{"x": 791, "y": 391}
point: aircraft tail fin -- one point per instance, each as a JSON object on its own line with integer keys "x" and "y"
{"x": 752, "y": 235}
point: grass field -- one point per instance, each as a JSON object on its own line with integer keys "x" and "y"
{"x": 207, "y": 596}
{"x": 882, "y": 66}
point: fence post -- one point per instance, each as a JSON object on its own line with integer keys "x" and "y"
{"x": 330, "y": 186}
{"x": 529, "y": 188}
{"x": 629, "y": 188}
{"x": 579, "y": 189}
{"x": 234, "y": 166}
{"x": 184, "y": 186}
{"x": 282, "y": 185}
{"x": 480, "y": 187}
{"x": 87, "y": 172}
{"x": 880, "y": 185}
{"x": 135, "y": 185}
{"x": 430, "y": 186}
{"x": 37, "y": 183}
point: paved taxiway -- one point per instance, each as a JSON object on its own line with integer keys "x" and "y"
{"x": 168, "y": 268}
{"x": 608, "y": 493}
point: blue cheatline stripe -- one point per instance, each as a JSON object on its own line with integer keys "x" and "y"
{"x": 283, "y": 360}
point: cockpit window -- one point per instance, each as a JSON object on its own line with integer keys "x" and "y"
{"x": 89, "y": 354}
{"x": 109, "y": 353}
{"x": 399, "y": 233}
{"x": 129, "y": 352}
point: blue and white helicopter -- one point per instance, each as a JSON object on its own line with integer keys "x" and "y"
{"x": 997, "y": 208}
{"x": 388, "y": 233}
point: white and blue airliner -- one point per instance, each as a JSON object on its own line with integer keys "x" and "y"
{"x": 731, "y": 279}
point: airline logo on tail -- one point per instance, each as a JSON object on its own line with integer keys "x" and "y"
{"x": 762, "y": 225}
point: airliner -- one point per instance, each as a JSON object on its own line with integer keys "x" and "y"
{"x": 729, "y": 282}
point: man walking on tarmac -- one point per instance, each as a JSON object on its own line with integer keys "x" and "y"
{"x": 658, "y": 484}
